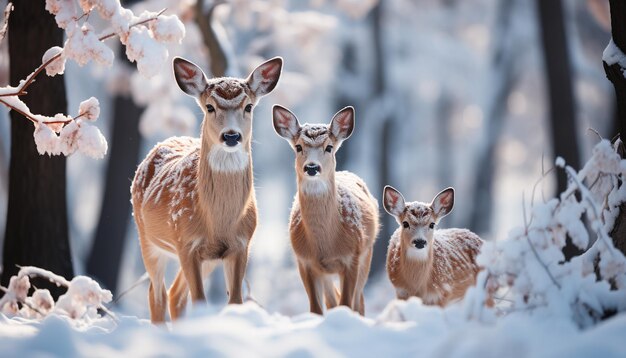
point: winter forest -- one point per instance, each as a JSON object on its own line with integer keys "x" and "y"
{"x": 421, "y": 178}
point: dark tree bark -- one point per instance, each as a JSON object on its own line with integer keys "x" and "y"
{"x": 106, "y": 253}
{"x": 37, "y": 227}
{"x": 615, "y": 74}
{"x": 562, "y": 114}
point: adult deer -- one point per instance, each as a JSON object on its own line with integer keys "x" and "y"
{"x": 194, "y": 198}
{"x": 334, "y": 218}
{"x": 436, "y": 265}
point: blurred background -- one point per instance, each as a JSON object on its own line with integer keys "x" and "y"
{"x": 480, "y": 95}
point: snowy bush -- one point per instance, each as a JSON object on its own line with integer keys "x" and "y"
{"x": 81, "y": 301}
{"x": 528, "y": 271}
{"x": 145, "y": 37}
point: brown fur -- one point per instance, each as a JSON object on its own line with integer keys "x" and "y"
{"x": 185, "y": 206}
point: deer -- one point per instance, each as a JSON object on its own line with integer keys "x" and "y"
{"x": 334, "y": 219}
{"x": 193, "y": 198}
{"x": 436, "y": 265}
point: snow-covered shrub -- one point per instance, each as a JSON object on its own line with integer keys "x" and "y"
{"x": 81, "y": 301}
{"x": 145, "y": 37}
{"x": 528, "y": 271}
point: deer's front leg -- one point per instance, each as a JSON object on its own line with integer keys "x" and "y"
{"x": 311, "y": 281}
{"x": 234, "y": 272}
{"x": 190, "y": 264}
{"x": 348, "y": 284}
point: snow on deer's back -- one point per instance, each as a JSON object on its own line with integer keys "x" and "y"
{"x": 436, "y": 265}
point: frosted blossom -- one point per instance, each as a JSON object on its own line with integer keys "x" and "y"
{"x": 89, "y": 109}
{"x": 82, "y": 299}
{"x": 68, "y": 139}
{"x": 56, "y": 67}
{"x": 143, "y": 49}
{"x": 46, "y": 140}
{"x": 121, "y": 21}
{"x": 91, "y": 142}
{"x": 83, "y": 45}
{"x": 38, "y": 305}
{"x": 64, "y": 11}
{"x": 167, "y": 29}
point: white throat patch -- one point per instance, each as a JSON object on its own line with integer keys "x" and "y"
{"x": 224, "y": 161}
{"x": 314, "y": 186}
{"x": 417, "y": 254}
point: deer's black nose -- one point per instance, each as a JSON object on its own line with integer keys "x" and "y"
{"x": 419, "y": 243}
{"x": 312, "y": 169}
{"x": 231, "y": 138}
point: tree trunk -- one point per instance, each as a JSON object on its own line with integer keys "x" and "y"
{"x": 562, "y": 114}
{"x": 106, "y": 252}
{"x": 562, "y": 107}
{"x": 615, "y": 73}
{"x": 37, "y": 227}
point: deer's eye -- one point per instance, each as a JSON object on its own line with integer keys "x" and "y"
{"x": 248, "y": 108}
{"x": 210, "y": 108}
{"x": 405, "y": 224}
{"x": 329, "y": 148}
{"x": 298, "y": 148}
{"x": 432, "y": 225}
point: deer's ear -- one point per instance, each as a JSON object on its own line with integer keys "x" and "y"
{"x": 443, "y": 202}
{"x": 393, "y": 201}
{"x": 285, "y": 123}
{"x": 342, "y": 124}
{"x": 189, "y": 77}
{"x": 265, "y": 77}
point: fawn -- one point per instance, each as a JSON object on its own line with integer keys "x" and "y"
{"x": 194, "y": 198}
{"x": 334, "y": 218}
{"x": 436, "y": 265}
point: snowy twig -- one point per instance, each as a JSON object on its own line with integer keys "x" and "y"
{"x": 545, "y": 267}
{"x": 587, "y": 196}
{"x": 31, "y": 271}
{"x": 145, "y": 277}
{"x": 5, "y": 25}
{"x": 6, "y": 291}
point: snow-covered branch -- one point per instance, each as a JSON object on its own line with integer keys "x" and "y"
{"x": 83, "y": 299}
{"x": 529, "y": 270}
{"x": 145, "y": 37}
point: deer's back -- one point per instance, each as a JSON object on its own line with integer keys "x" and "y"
{"x": 454, "y": 264}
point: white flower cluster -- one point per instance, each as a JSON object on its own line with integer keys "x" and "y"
{"x": 77, "y": 135}
{"x": 144, "y": 36}
{"x": 81, "y": 301}
{"x": 528, "y": 272}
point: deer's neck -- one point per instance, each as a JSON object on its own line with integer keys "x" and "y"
{"x": 225, "y": 182}
{"x": 417, "y": 271}
{"x": 319, "y": 206}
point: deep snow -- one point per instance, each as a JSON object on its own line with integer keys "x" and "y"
{"x": 402, "y": 329}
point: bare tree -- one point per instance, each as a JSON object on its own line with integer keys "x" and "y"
{"x": 37, "y": 227}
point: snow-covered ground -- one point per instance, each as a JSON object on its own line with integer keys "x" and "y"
{"x": 402, "y": 329}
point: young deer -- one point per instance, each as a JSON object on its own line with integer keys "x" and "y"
{"x": 194, "y": 198}
{"x": 436, "y": 265}
{"x": 334, "y": 218}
